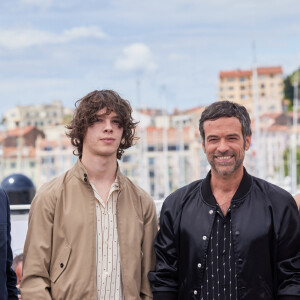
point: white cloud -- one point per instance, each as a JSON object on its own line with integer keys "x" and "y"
{"x": 136, "y": 57}
{"x": 22, "y": 38}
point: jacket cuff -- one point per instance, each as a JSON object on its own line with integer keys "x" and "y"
{"x": 289, "y": 298}
{"x": 167, "y": 296}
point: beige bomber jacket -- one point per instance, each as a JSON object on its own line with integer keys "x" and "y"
{"x": 60, "y": 247}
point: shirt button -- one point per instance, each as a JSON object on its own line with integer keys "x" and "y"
{"x": 211, "y": 212}
{"x": 237, "y": 233}
{"x": 195, "y": 292}
{"x": 204, "y": 238}
{"x": 61, "y": 265}
{"x": 199, "y": 265}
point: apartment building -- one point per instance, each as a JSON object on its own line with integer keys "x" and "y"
{"x": 18, "y": 152}
{"x": 40, "y": 116}
{"x": 167, "y": 155}
{"x": 239, "y": 85}
{"x": 165, "y": 159}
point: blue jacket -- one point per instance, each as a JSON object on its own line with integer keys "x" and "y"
{"x": 8, "y": 280}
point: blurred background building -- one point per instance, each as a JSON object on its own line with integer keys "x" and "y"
{"x": 167, "y": 153}
{"x": 237, "y": 86}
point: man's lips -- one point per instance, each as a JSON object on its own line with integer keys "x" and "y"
{"x": 107, "y": 140}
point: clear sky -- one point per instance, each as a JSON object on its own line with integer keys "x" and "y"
{"x": 63, "y": 49}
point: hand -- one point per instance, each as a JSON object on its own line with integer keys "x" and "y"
{"x": 19, "y": 294}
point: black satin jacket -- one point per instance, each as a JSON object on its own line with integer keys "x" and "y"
{"x": 266, "y": 241}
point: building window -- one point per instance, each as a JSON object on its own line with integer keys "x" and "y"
{"x": 230, "y": 78}
{"x": 262, "y": 94}
{"x": 242, "y": 78}
{"x": 243, "y": 87}
{"x": 151, "y": 161}
{"x": 151, "y": 173}
{"x": 32, "y": 164}
{"x": 243, "y": 96}
{"x": 262, "y": 86}
{"x": 13, "y": 165}
{"x": 172, "y": 148}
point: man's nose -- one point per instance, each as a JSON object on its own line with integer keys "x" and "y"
{"x": 222, "y": 146}
{"x": 108, "y": 126}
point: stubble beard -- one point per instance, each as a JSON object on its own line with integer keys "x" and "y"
{"x": 235, "y": 167}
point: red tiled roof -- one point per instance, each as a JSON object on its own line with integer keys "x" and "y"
{"x": 17, "y": 131}
{"x": 245, "y": 73}
{"x": 155, "y": 134}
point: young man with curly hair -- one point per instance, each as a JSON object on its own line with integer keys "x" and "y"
{"x": 91, "y": 231}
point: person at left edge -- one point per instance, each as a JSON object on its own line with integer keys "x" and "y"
{"x": 8, "y": 279}
{"x": 91, "y": 230}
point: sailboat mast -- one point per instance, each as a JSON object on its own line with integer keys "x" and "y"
{"x": 257, "y": 141}
{"x": 294, "y": 136}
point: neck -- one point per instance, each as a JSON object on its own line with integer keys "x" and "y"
{"x": 100, "y": 168}
{"x": 224, "y": 187}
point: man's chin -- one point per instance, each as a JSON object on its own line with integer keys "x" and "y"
{"x": 224, "y": 170}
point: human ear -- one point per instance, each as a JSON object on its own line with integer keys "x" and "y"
{"x": 247, "y": 142}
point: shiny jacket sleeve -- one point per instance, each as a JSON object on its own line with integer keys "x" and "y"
{"x": 164, "y": 279}
{"x": 148, "y": 255}
{"x": 35, "y": 283}
{"x": 11, "y": 279}
{"x": 288, "y": 252}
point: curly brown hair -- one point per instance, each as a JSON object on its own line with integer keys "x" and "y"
{"x": 86, "y": 114}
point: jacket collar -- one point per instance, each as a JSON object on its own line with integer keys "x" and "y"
{"x": 242, "y": 190}
{"x": 81, "y": 173}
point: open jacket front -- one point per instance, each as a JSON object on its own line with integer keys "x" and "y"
{"x": 60, "y": 247}
{"x": 266, "y": 242}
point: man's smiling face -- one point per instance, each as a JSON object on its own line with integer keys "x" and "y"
{"x": 224, "y": 145}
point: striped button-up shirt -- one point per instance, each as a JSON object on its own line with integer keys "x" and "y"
{"x": 109, "y": 281}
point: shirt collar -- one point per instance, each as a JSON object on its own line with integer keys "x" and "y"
{"x": 84, "y": 176}
{"x": 242, "y": 190}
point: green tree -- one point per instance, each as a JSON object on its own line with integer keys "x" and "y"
{"x": 289, "y": 87}
{"x": 287, "y": 161}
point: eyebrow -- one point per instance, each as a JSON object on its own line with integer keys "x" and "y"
{"x": 212, "y": 136}
{"x": 233, "y": 135}
{"x": 228, "y": 135}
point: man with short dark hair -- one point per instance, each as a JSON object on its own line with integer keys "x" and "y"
{"x": 91, "y": 231}
{"x": 230, "y": 235}
{"x": 8, "y": 278}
